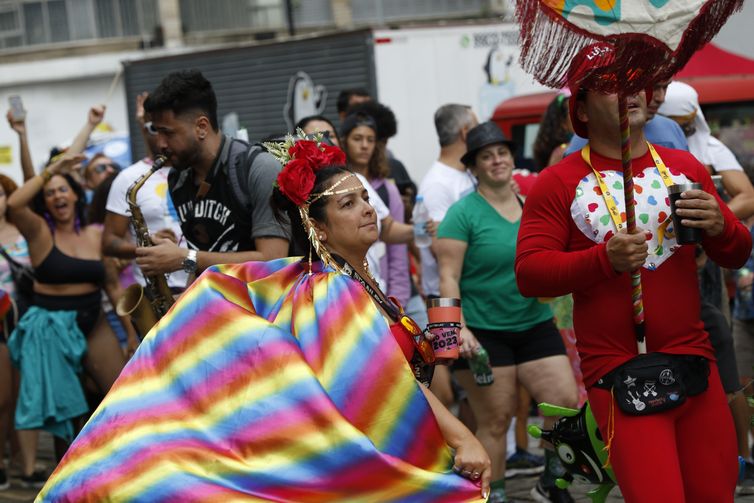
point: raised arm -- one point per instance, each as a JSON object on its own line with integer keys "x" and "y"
{"x": 29, "y": 224}
{"x": 94, "y": 118}
{"x": 19, "y": 126}
{"x": 141, "y": 121}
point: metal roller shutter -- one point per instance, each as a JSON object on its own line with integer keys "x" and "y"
{"x": 253, "y": 80}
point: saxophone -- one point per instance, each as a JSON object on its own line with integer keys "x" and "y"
{"x": 145, "y": 305}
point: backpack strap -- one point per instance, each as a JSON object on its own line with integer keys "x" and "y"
{"x": 240, "y": 161}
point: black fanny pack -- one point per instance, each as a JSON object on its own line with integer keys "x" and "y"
{"x": 655, "y": 382}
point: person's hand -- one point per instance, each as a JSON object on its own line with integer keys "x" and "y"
{"x": 431, "y": 227}
{"x": 96, "y": 114}
{"x": 65, "y": 163}
{"x": 140, "y": 98}
{"x": 473, "y": 462}
{"x": 165, "y": 256}
{"x": 627, "y": 252}
{"x": 700, "y": 210}
{"x": 17, "y": 125}
{"x": 468, "y": 342}
{"x": 166, "y": 234}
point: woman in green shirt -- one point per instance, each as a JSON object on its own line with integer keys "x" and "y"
{"x": 476, "y": 250}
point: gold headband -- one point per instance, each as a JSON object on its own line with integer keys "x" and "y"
{"x": 330, "y": 191}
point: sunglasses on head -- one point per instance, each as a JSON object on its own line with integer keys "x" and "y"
{"x": 100, "y": 168}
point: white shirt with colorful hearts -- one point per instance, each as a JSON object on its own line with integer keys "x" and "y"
{"x": 590, "y": 213}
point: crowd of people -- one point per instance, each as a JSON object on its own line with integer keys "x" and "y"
{"x": 542, "y": 272}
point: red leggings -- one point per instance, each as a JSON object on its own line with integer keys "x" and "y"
{"x": 684, "y": 455}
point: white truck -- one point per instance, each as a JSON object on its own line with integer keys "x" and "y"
{"x": 420, "y": 69}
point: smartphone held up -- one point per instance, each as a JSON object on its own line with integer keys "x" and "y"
{"x": 16, "y": 108}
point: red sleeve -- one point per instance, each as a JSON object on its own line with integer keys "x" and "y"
{"x": 732, "y": 247}
{"x": 545, "y": 266}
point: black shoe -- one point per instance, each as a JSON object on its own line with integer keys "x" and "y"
{"x": 4, "y": 481}
{"x": 34, "y": 481}
{"x": 524, "y": 462}
{"x": 551, "y": 494}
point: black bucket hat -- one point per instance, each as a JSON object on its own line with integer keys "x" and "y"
{"x": 484, "y": 135}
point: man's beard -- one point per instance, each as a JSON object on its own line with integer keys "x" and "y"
{"x": 189, "y": 157}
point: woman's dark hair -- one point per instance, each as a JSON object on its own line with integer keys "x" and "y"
{"x": 97, "y": 208}
{"x": 39, "y": 207}
{"x": 387, "y": 125}
{"x": 552, "y": 131}
{"x": 286, "y": 211}
{"x": 306, "y": 120}
{"x": 378, "y": 166}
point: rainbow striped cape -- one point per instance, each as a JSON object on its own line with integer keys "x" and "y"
{"x": 264, "y": 383}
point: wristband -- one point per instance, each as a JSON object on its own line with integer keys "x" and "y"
{"x": 46, "y": 174}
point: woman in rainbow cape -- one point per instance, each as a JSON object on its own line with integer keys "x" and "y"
{"x": 292, "y": 380}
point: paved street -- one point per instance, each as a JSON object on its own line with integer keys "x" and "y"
{"x": 518, "y": 488}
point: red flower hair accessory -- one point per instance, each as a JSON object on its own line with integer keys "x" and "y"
{"x": 302, "y": 158}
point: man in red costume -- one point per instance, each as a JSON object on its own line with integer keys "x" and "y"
{"x": 568, "y": 243}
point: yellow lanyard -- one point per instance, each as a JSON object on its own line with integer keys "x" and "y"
{"x": 607, "y": 197}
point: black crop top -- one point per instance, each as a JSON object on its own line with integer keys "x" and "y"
{"x": 58, "y": 268}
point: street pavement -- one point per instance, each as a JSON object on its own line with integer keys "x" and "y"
{"x": 517, "y": 488}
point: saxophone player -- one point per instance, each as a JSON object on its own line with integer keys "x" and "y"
{"x": 118, "y": 237}
{"x": 220, "y": 186}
